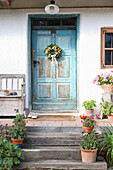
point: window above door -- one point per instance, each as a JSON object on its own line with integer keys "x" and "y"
{"x": 107, "y": 47}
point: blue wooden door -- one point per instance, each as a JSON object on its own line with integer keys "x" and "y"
{"x": 54, "y": 83}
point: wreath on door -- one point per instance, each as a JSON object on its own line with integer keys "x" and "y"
{"x": 53, "y": 52}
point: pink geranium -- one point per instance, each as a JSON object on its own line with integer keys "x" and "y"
{"x": 99, "y": 132}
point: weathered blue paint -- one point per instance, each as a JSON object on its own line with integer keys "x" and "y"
{"x": 29, "y": 56}
{"x": 54, "y": 82}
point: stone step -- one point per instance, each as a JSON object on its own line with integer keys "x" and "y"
{"x": 35, "y": 139}
{"x": 61, "y": 165}
{"x": 57, "y": 129}
{"x": 52, "y": 153}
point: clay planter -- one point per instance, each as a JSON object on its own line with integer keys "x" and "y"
{"x": 89, "y": 112}
{"x": 108, "y": 88}
{"x": 110, "y": 117}
{"x": 87, "y": 129}
{"x": 88, "y": 156}
{"x": 16, "y": 141}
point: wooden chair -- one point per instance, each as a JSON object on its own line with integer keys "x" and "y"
{"x": 10, "y": 105}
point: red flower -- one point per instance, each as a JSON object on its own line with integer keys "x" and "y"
{"x": 97, "y": 116}
{"x": 84, "y": 117}
{"x": 91, "y": 117}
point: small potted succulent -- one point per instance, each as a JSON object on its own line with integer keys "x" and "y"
{"x": 17, "y": 134}
{"x": 19, "y": 119}
{"x": 107, "y": 109}
{"x": 89, "y": 146}
{"x": 88, "y": 123}
{"x": 10, "y": 154}
{"x": 88, "y": 105}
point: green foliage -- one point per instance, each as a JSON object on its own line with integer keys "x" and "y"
{"x": 4, "y": 130}
{"x": 89, "y": 104}
{"x": 88, "y": 121}
{"x": 17, "y": 132}
{"x": 107, "y": 143}
{"x": 104, "y": 79}
{"x": 19, "y": 119}
{"x": 90, "y": 141}
{"x": 10, "y": 154}
{"x": 107, "y": 108}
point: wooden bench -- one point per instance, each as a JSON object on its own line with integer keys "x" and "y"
{"x": 10, "y": 105}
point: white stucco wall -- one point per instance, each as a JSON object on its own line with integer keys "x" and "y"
{"x": 14, "y": 41}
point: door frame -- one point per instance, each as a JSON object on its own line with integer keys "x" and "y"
{"x": 30, "y": 55}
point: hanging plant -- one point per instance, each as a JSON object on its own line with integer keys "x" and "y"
{"x": 53, "y": 52}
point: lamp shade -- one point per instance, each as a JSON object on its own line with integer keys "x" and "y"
{"x": 52, "y": 9}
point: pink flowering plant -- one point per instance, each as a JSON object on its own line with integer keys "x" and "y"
{"x": 88, "y": 121}
{"x": 90, "y": 141}
{"x": 102, "y": 79}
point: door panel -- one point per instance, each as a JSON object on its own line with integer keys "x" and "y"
{"x": 54, "y": 83}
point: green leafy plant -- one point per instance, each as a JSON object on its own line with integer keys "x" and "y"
{"x": 89, "y": 104}
{"x": 107, "y": 108}
{"x": 88, "y": 121}
{"x": 90, "y": 141}
{"x": 107, "y": 142}
{"x": 4, "y": 130}
{"x": 20, "y": 119}
{"x": 17, "y": 132}
{"x": 10, "y": 154}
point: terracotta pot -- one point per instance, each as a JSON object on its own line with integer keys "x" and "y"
{"x": 103, "y": 153}
{"x": 87, "y": 129}
{"x": 89, "y": 112}
{"x": 16, "y": 141}
{"x": 110, "y": 117}
{"x": 108, "y": 88}
{"x": 88, "y": 156}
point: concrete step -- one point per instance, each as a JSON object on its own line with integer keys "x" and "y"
{"x": 35, "y": 139}
{"x": 52, "y": 153}
{"x": 57, "y": 129}
{"x": 62, "y": 165}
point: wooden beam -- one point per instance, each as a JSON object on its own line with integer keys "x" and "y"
{"x": 5, "y": 3}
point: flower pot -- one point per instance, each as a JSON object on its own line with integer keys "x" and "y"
{"x": 88, "y": 156}
{"x": 110, "y": 117}
{"x": 87, "y": 129}
{"x": 89, "y": 112}
{"x": 108, "y": 88}
{"x": 16, "y": 141}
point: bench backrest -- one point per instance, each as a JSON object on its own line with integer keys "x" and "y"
{"x": 11, "y": 82}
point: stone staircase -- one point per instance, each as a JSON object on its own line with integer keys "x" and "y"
{"x": 55, "y": 148}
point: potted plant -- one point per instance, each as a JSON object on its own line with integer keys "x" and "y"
{"x": 88, "y": 105}
{"x": 10, "y": 154}
{"x": 88, "y": 123}
{"x": 89, "y": 147}
{"x": 107, "y": 109}
{"x": 105, "y": 80}
{"x": 17, "y": 134}
{"x": 19, "y": 119}
{"x": 107, "y": 143}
